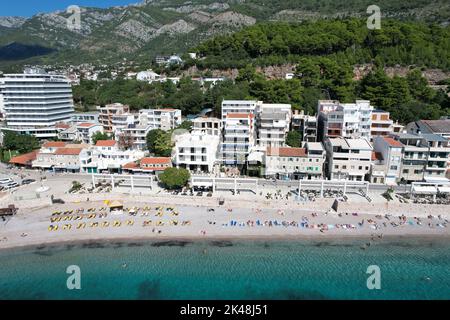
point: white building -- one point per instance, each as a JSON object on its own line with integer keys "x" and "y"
{"x": 387, "y": 160}
{"x": 122, "y": 121}
{"x": 238, "y": 106}
{"x": 381, "y": 124}
{"x": 196, "y": 151}
{"x": 106, "y": 156}
{"x": 295, "y": 163}
{"x": 91, "y": 117}
{"x": 133, "y": 136}
{"x": 211, "y": 126}
{"x": 239, "y": 136}
{"x": 87, "y": 130}
{"x": 348, "y": 159}
{"x": 59, "y": 156}
{"x": 148, "y": 76}
{"x": 273, "y": 121}
{"x": 347, "y": 120}
{"x": 2, "y": 104}
{"x": 35, "y": 101}
{"x": 164, "y": 119}
{"x": 239, "y": 130}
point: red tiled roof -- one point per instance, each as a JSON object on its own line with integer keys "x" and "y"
{"x": 393, "y": 142}
{"x": 131, "y": 165}
{"x": 86, "y": 125}
{"x": 54, "y": 144}
{"x": 105, "y": 143}
{"x": 151, "y": 160}
{"x": 24, "y": 159}
{"x": 62, "y": 126}
{"x": 239, "y": 115}
{"x": 286, "y": 152}
{"x": 68, "y": 151}
{"x": 376, "y": 156}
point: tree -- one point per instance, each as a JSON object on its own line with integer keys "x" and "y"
{"x": 293, "y": 139}
{"x": 174, "y": 178}
{"x": 186, "y": 125}
{"x": 159, "y": 142}
{"x": 152, "y": 135}
{"x": 125, "y": 140}
{"x": 99, "y": 136}
{"x": 21, "y": 143}
{"x": 163, "y": 144}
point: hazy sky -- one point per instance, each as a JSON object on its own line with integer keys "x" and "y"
{"x": 27, "y": 8}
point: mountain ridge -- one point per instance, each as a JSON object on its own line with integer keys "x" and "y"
{"x": 145, "y": 29}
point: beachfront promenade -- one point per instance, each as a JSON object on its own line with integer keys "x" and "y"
{"x": 149, "y": 214}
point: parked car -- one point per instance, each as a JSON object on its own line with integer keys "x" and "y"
{"x": 5, "y": 181}
{"x": 11, "y": 185}
{"x": 28, "y": 181}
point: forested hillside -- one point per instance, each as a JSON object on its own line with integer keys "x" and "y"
{"x": 348, "y": 41}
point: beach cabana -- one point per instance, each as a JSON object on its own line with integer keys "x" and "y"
{"x": 116, "y": 207}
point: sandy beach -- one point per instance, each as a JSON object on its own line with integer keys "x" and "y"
{"x": 171, "y": 218}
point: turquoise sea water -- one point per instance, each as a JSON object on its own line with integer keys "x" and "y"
{"x": 416, "y": 269}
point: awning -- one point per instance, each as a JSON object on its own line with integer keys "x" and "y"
{"x": 42, "y": 165}
{"x": 444, "y": 189}
{"x": 255, "y": 156}
{"x": 436, "y": 179}
{"x": 424, "y": 189}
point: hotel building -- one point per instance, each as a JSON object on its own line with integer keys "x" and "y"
{"x": 348, "y": 159}
{"x": 35, "y": 101}
{"x": 347, "y": 120}
{"x": 295, "y": 163}
{"x": 196, "y": 151}
{"x": 273, "y": 122}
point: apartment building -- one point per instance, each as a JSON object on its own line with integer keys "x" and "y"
{"x": 59, "y": 156}
{"x": 133, "y": 136}
{"x": 239, "y": 136}
{"x": 386, "y": 160}
{"x": 381, "y": 124}
{"x": 273, "y": 122}
{"x": 438, "y": 157}
{"x": 348, "y": 159}
{"x": 210, "y": 126}
{"x": 425, "y": 157}
{"x": 106, "y": 156}
{"x": 347, "y": 120}
{"x": 164, "y": 119}
{"x": 196, "y": 151}
{"x": 35, "y": 101}
{"x": 306, "y": 125}
{"x": 295, "y": 163}
{"x": 107, "y": 113}
{"x": 86, "y": 130}
{"x": 415, "y": 156}
{"x": 122, "y": 121}
{"x": 2, "y": 103}
{"x": 439, "y": 127}
{"x": 238, "y": 106}
{"x": 91, "y": 117}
